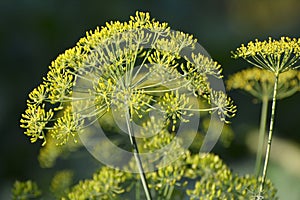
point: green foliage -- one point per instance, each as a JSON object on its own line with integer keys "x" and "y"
{"x": 25, "y": 190}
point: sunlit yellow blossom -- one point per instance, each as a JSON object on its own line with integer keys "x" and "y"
{"x": 38, "y": 95}
{"x": 175, "y": 107}
{"x": 223, "y": 105}
{"x": 274, "y": 55}
{"x": 206, "y": 65}
{"x": 35, "y": 120}
{"x": 128, "y": 67}
{"x": 67, "y": 126}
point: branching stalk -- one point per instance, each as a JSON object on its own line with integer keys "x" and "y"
{"x": 268, "y": 150}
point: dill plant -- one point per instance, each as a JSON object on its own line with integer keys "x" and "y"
{"x": 133, "y": 69}
{"x": 278, "y": 57}
{"x": 101, "y": 71}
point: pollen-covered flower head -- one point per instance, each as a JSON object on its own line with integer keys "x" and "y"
{"x": 260, "y": 83}
{"x": 131, "y": 68}
{"x": 276, "y": 56}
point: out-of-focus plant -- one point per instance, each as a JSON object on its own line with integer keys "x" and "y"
{"x": 105, "y": 184}
{"x": 25, "y": 190}
{"x": 198, "y": 177}
{"x": 218, "y": 182}
{"x": 260, "y": 84}
{"x": 278, "y": 57}
{"x": 61, "y": 183}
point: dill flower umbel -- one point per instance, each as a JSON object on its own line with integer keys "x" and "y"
{"x": 274, "y": 55}
{"x": 130, "y": 69}
{"x": 260, "y": 83}
{"x": 125, "y": 67}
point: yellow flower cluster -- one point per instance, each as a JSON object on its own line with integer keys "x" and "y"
{"x": 260, "y": 83}
{"x": 128, "y": 66}
{"x": 25, "y": 190}
{"x": 206, "y": 65}
{"x": 34, "y": 121}
{"x": 222, "y": 105}
{"x": 274, "y": 55}
{"x": 218, "y": 182}
{"x": 175, "y": 107}
{"x": 105, "y": 184}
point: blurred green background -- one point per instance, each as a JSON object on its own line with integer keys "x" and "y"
{"x": 34, "y": 32}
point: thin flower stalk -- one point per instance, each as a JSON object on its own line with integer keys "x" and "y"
{"x": 270, "y": 134}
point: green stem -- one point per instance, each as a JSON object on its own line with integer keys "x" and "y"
{"x": 262, "y": 132}
{"x": 166, "y": 190}
{"x": 137, "y": 156}
{"x": 170, "y": 192}
{"x": 137, "y": 191}
{"x": 268, "y": 150}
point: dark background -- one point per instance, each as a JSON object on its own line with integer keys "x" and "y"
{"x": 35, "y": 32}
